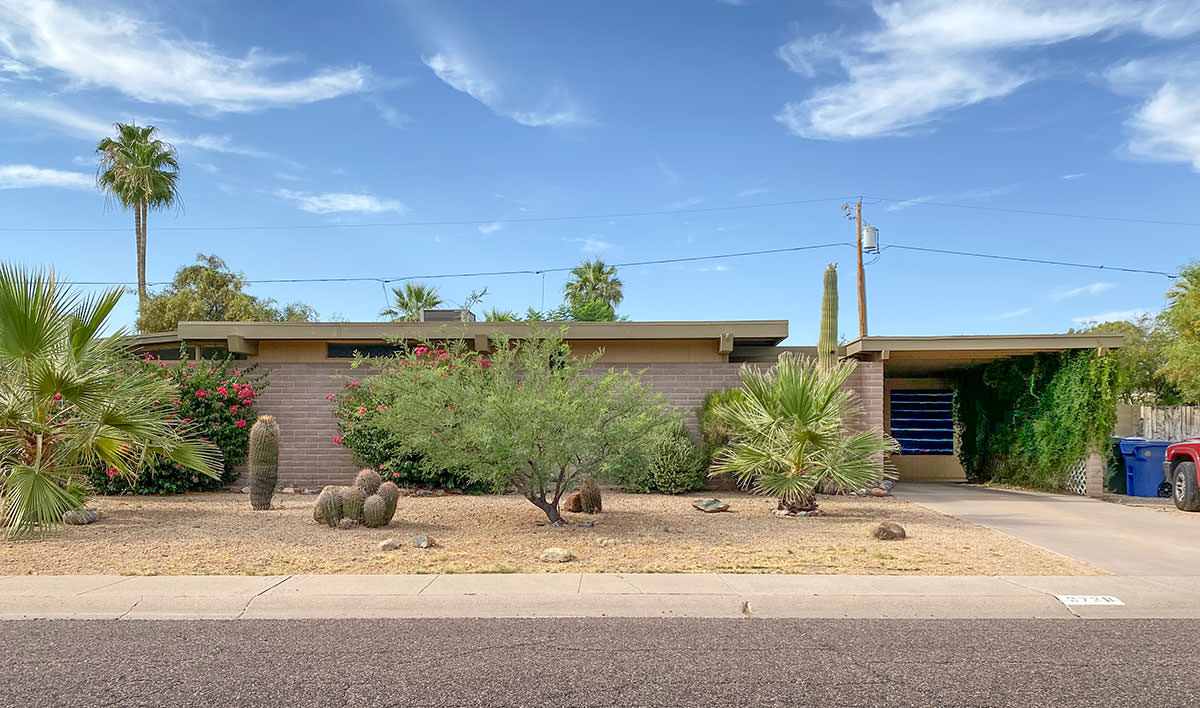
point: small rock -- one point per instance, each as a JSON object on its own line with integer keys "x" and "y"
{"x": 557, "y": 555}
{"x": 422, "y": 541}
{"x": 82, "y": 516}
{"x": 347, "y": 524}
{"x": 710, "y": 506}
{"x": 288, "y": 490}
{"x": 584, "y": 524}
{"x": 389, "y": 545}
{"x": 889, "y": 531}
{"x": 878, "y": 492}
{"x": 574, "y": 503}
{"x": 888, "y": 484}
{"x": 606, "y": 542}
{"x": 309, "y": 491}
{"x": 245, "y": 490}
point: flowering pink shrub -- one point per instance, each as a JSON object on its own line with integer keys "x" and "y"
{"x": 214, "y": 398}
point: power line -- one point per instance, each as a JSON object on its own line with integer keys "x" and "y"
{"x": 451, "y": 222}
{"x": 1034, "y": 212}
{"x": 668, "y": 261}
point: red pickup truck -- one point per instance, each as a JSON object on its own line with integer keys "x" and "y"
{"x": 1180, "y": 466}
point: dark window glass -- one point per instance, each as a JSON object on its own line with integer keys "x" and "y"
{"x": 337, "y": 350}
{"x": 217, "y": 353}
{"x": 171, "y": 354}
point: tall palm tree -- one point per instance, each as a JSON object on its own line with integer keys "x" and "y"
{"x": 66, "y": 403}
{"x": 788, "y": 433}
{"x": 141, "y": 172}
{"x": 594, "y": 281}
{"x": 409, "y": 300}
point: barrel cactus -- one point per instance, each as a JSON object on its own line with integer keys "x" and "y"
{"x": 263, "y": 461}
{"x": 375, "y": 511}
{"x": 368, "y": 480}
{"x": 352, "y": 503}
{"x": 328, "y": 509}
{"x": 391, "y": 494}
{"x": 589, "y": 496}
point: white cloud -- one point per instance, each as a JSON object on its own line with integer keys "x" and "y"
{"x": 1014, "y": 313}
{"x": 671, "y": 175}
{"x": 337, "y": 202}
{"x": 752, "y": 191}
{"x": 491, "y": 228}
{"x": 683, "y": 204}
{"x": 150, "y": 63}
{"x": 930, "y": 57}
{"x": 712, "y": 269}
{"x": 916, "y": 201}
{"x": 1091, "y": 289}
{"x": 28, "y": 177}
{"x": 984, "y": 193}
{"x": 1113, "y": 316}
{"x": 592, "y": 244}
{"x": 557, "y": 109}
{"x": 1166, "y": 126}
{"x": 1074, "y": 176}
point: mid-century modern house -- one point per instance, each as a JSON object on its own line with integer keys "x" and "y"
{"x": 905, "y": 384}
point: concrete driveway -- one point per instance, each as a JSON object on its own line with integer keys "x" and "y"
{"x": 1124, "y": 540}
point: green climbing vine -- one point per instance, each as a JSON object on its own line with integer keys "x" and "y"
{"x": 1026, "y": 420}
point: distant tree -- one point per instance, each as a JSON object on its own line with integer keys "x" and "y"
{"x": 496, "y": 315}
{"x": 592, "y": 311}
{"x": 209, "y": 292}
{"x": 141, "y": 172}
{"x": 409, "y": 300}
{"x": 1182, "y": 316}
{"x": 593, "y": 281}
{"x": 1141, "y": 360}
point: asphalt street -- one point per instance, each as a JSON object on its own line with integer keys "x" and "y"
{"x": 600, "y": 662}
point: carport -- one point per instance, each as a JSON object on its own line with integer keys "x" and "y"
{"x": 916, "y": 378}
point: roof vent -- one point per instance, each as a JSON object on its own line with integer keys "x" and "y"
{"x": 447, "y": 316}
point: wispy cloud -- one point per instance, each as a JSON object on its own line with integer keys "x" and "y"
{"x": 929, "y": 57}
{"x": 683, "y": 204}
{"x": 29, "y": 177}
{"x": 591, "y": 244}
{"x": 557, "y": 109}
{"x": 916, "y": 201}
{"x": 1113, "y": 316}
{"x": 718, "y": 268}
{"x": 1074, "y": 176}
{"x": 971, "y": 194}
{"x": 491, "y": 228}
{"x": 1090, "y": 289}
{"x": 1014, "y": 313}
{"x": 669, "y": 174}
{"x": 338, "y": 202}
{"x": 1166, "y": 126}
{"x": 752, "y": 191}
{"x": 147, "y": 61}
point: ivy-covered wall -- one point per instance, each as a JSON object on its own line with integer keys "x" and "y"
{"x": 1025, "y": 420}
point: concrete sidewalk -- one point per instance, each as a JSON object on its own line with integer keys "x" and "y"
{"x": 1124, "y": 540}
{"x": 589, "y": 595}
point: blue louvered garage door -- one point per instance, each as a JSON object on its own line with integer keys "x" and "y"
{"x": 923, "y": 421}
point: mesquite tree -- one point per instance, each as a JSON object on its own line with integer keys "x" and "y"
{"x": 526, "y": 416}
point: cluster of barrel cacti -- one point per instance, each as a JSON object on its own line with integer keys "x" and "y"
{"x": 370, "y": 502}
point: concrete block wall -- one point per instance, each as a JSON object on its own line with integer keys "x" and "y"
{"x": 297, "y": 397}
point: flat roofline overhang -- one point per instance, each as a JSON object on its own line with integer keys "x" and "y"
{"x": 999, "y": 344}
{"x": 759, "y": 331}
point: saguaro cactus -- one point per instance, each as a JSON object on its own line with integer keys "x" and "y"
{"x": 264, "y": 461}
{"x": 827, "y": 340}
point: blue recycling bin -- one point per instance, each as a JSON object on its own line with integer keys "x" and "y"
{"x": 1143, "y": 465}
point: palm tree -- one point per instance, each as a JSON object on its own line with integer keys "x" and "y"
{"x": 594, "y": 281}
{"x": 141, "y": 172}
{"x": 410, "y": 300}
{"x": 498, "y": 315}
{"x": 789, "y": 433}
{"x": 66, "y": 403}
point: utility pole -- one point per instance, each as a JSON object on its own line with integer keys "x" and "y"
{"x": 862, "y": 280}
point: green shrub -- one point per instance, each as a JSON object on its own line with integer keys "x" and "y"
{"x": 217, "y": 399}
{"x": 715, "y": 434}
{"x": 677, "y": 466}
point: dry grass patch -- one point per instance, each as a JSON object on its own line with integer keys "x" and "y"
{"x": 219, "y": 534}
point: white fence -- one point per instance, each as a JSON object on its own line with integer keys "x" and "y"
{"x": 1171, "y": 423}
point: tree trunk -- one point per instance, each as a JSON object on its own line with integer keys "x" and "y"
{"x": 139, "y": 221}
{"x": 550, "y": 507}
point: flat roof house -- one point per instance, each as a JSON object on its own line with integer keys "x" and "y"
{"x": 900, "y": 380}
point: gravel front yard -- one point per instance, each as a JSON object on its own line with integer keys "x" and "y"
{"x": 218, "y": 534}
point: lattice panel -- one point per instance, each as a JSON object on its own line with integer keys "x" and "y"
{"x": 1077, "y": 478}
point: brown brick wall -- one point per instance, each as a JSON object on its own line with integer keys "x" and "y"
{"x": 308, "y": 457}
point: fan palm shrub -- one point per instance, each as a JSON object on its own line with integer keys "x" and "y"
{"x": 67, "y": 403}
{"x": 409, "y": 300}
{"x": 594, "y": 281}
{"x": 789, "y": 433}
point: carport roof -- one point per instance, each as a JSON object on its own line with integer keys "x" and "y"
{"x": 942, "y": 356}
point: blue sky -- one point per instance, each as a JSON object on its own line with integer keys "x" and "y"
{"x": 318, "y": 114}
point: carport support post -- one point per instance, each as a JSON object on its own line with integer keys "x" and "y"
{"x": 1094, "y": 476}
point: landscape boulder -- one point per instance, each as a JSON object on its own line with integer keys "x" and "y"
{"x": 557, "y": 555}
{"x": 574, "y": 503}
{"x": 82, "y": 516}
{"x": 710, "y": 506}
{"x": 389, "y": 545}
{"x": 422, "y": 541}
{"x": 889, "y": 531}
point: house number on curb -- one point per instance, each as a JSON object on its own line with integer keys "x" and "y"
{"x": 1089, "y": 600}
